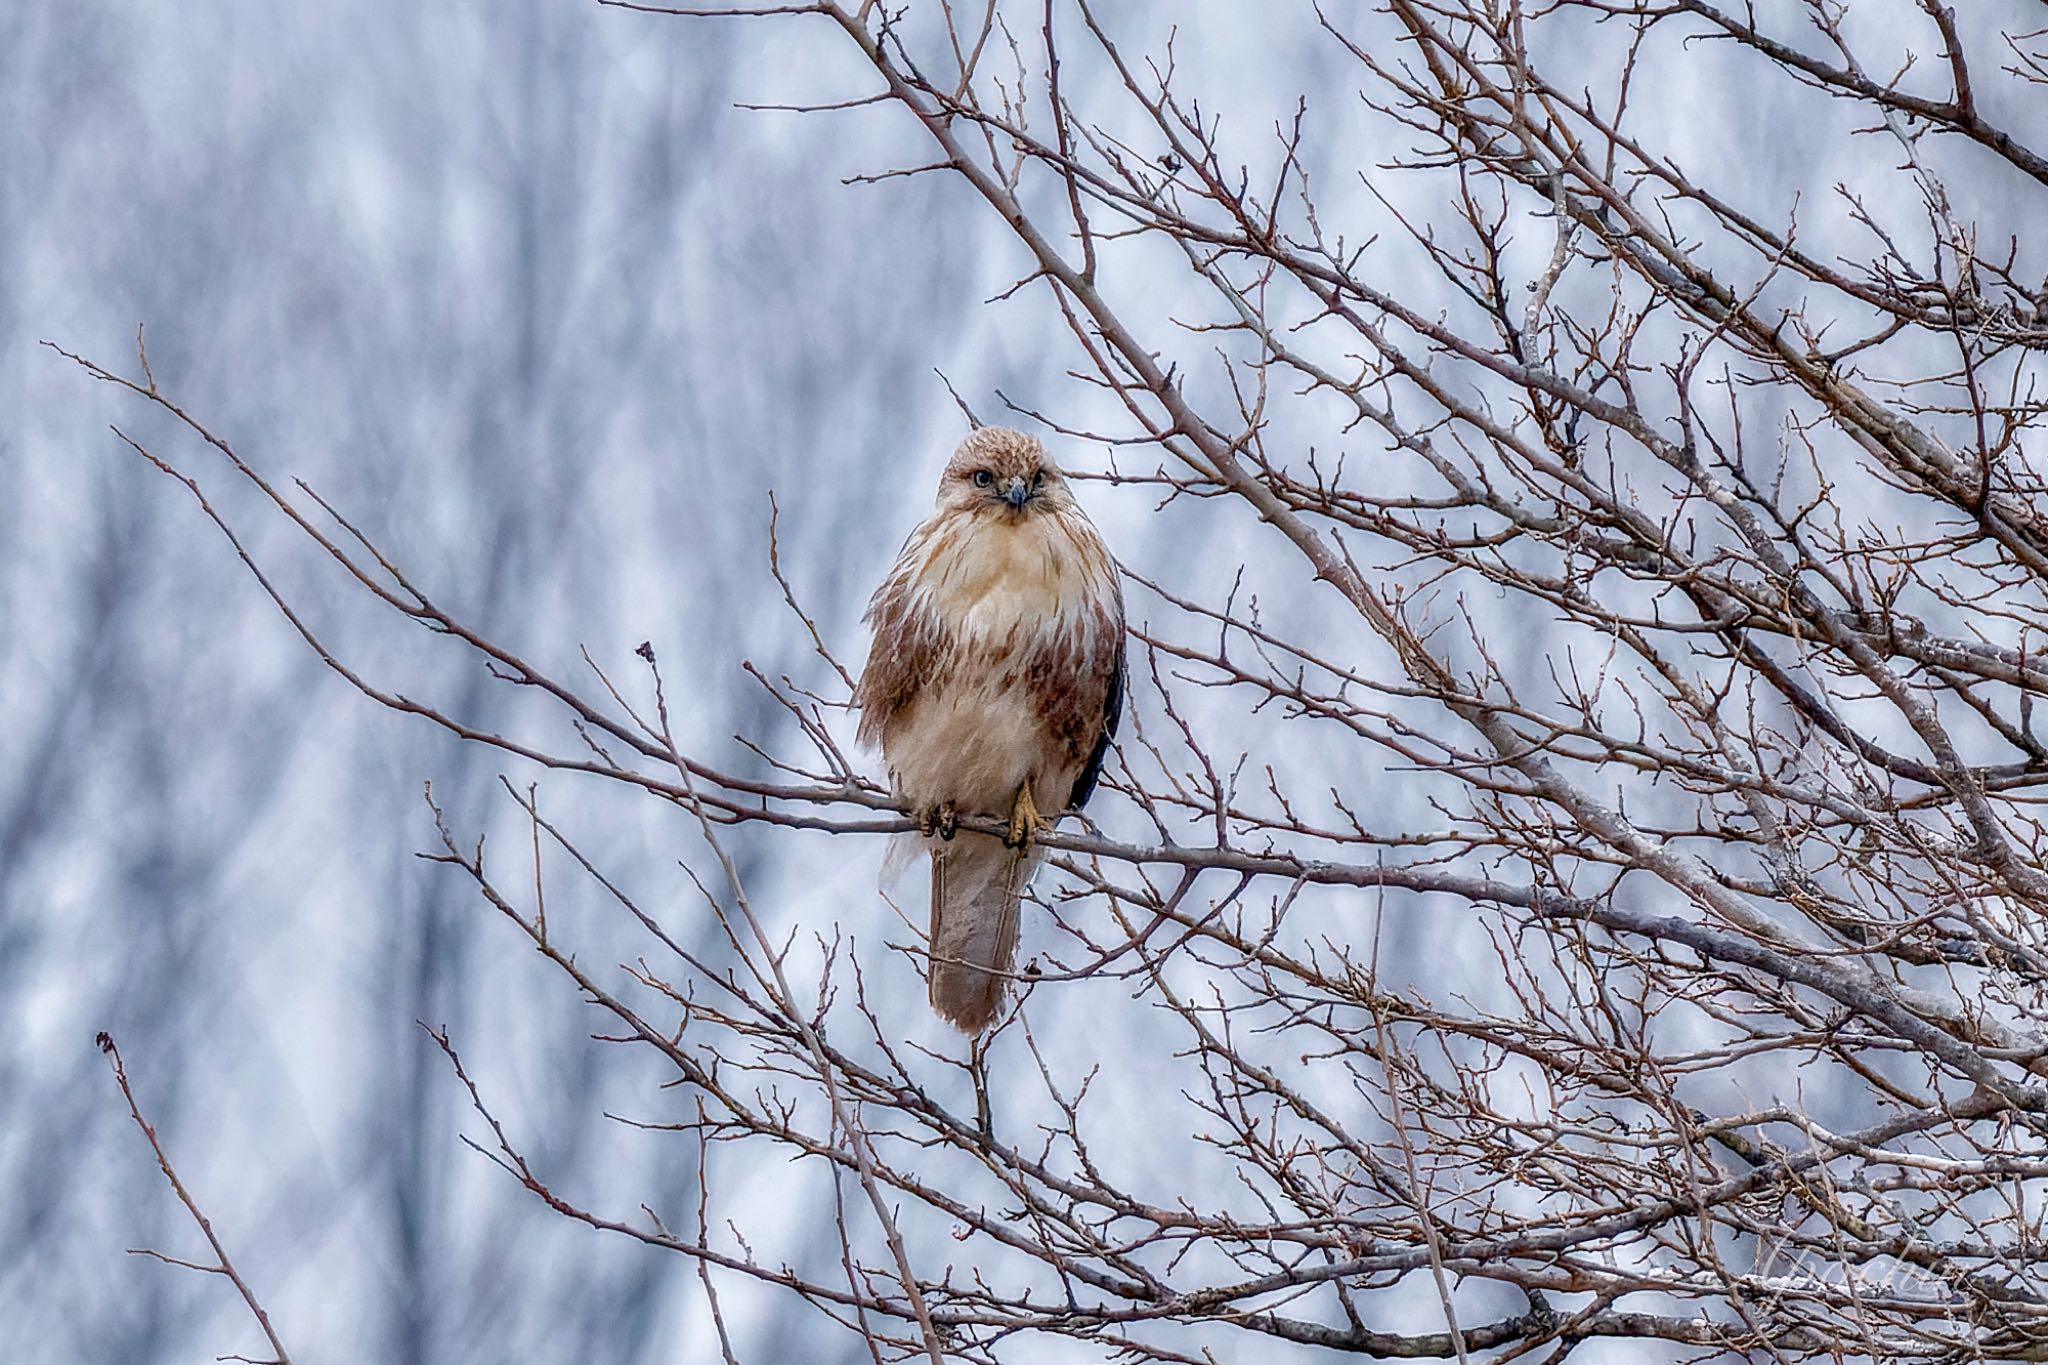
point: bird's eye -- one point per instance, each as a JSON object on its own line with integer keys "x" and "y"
{"x": 982, "y": 478}
{"x": 1038, "y": 479}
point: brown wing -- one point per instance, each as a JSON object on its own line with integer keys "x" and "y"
{"x": 1112, "y": 711}
{"x": 904, "y": 653}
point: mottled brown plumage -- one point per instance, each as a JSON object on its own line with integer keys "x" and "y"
{"x": 992, "y": 686}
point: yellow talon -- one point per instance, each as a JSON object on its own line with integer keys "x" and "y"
{"x": 1025, "y": 821}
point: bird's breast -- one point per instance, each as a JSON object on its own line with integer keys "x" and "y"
{"x": 998, "y": 582}
{"x": 1021, "y": 620}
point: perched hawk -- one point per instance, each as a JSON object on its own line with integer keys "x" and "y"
{"x": 993, "y": 686}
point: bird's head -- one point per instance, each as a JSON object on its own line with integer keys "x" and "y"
{"x": 999, "y": 472}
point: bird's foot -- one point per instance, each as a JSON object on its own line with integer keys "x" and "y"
{"x": 941, "y": 820}
{"x": 1026, "y": 823}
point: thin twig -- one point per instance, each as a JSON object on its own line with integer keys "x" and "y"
{"x": 222, "y": 1265}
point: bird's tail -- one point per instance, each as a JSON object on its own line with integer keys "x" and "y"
{"x": 976, "y": 885}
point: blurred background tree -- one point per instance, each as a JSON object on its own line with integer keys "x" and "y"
{"x": 1571, "y": 878}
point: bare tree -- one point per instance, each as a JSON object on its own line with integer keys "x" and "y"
{"x": 1646, "y": 941}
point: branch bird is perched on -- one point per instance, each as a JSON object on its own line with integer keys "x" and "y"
{"x": 992, "y": 685}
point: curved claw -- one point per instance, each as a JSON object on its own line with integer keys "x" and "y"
{"x": 1026, "y": 823}
{"x": 941, "y": 820}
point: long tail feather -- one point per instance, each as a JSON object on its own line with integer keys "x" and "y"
{"x": 976, "y": 885}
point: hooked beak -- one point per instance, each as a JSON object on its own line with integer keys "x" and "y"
{"x": 1016, "y": 492}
